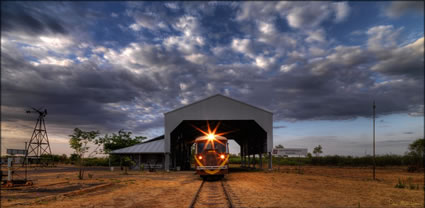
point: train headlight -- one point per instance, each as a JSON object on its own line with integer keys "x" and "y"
{"x": 200, "y": 157}
{"x": 211, "y": 136}
{"x": 222, "y": 157}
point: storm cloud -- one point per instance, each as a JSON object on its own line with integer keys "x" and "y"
{"x": 90, "y": 68}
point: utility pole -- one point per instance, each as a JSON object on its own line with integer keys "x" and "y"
{"x": 374, "y": 162}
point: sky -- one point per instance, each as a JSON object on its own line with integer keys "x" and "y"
{"x": 317, "y": 66}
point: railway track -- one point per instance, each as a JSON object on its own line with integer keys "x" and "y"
{"x": 212, "y": 194}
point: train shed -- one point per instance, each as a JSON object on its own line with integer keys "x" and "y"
{"x": 251, "y": 127}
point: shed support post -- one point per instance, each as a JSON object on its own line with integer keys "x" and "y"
{"x": 270, "y": 161}
{"x": 253, "y": 161}
{"x": 140, "y": 161}
{"x": 249, "y": 161}
{"x": 244, "y": 157}
{"x": 261, "y": 160}
{"x": 121, "y": 162}
{"x": 167, "y": 162}
{"x": 241, "y": 155}
{"x": 245, "y": 160}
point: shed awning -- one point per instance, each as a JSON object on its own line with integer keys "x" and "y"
{"x": 153, "y": 146}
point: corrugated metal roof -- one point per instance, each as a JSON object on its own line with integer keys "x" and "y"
{"x": 177, "y": 109}
{"x": 156, "y": 146}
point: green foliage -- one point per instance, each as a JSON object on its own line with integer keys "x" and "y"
{"x": 416, "y": 154}
{"x": 46, "y": 159}
{"x": 337, "y": 160}
{"x": 290, "y": 161}
{"x": 409, "y": 184}
{"x": 74, "y": 158}
{"x": 127, "y": 162}
{"x": 234, "y": 159}
{"x": 400, "y": 184}
{"x": 279, "y": 146}
{"x": 96, "y": 161}
{"x": 79, "y": 141}
{"x": 118, "y": 141}
{"x": 317, "y": 150}
{"x": 417, "y": 147}
{"x": 381, "y": 160}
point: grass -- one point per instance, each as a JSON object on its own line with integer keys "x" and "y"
{"x": 115, "y": 180}
{"x": 402, "y": 184}
{"x": 338, "y": 160}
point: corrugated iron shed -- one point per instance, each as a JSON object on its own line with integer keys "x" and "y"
{"x": 155, "y": 145}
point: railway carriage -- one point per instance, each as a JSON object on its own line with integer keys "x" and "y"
{"x": 211, "y": 155}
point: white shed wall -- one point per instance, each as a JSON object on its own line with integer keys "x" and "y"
{"x": 219, "y": 107}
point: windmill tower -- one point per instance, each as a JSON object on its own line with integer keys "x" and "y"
{"x": 39, "y": 142}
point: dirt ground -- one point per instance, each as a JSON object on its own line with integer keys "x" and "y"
{"x": 285, "y": 186}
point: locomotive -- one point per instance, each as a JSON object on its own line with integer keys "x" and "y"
{"x": 211, "y": 156}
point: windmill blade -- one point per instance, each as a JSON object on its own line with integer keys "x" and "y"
{"x": 37, "y": 110}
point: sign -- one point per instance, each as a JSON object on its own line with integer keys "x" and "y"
{"x": 290, "y": 151}
{"x": 16, "y": 151}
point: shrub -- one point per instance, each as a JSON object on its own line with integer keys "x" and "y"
{"x": 400, "y": 184}
{"x": 96, "y": 161}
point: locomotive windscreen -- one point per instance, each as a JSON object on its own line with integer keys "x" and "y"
{"x": 220, "y": 148}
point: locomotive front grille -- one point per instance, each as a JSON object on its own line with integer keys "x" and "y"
{"x": 211, "y": 159}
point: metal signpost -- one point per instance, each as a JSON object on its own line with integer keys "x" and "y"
{"x": 16, "y": 151}
{"x": 286, "y": 152}
{"x": 13, "y": 155}
{"x": 283, "y": 152}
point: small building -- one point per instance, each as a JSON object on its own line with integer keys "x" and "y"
{"x": 147, "y": 155}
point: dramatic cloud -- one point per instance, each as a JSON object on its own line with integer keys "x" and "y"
{"x": 121, "y": 66}
{"x": 398, "y": 8}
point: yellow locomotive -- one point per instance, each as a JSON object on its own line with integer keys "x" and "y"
{"x": 211, "y": 155}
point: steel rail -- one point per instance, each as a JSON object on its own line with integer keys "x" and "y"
{"x": 192, "y": 204}
{"x": 227, "y": 194}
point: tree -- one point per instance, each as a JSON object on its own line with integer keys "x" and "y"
{"x": 417, "y": 152}
{"x": 309, "y": 155}
{"x": 79, "y": 142}
{"x": 118, "y": 141}
{"x": 317, "y": 150}
{"x": 127, "y": 162}
{"x": 279, "y": 146}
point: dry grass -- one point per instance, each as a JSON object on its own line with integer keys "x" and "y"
{"x": 283, "y": 187}
{"x": 327, "y": 187}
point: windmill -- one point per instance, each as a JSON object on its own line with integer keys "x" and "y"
{"x": 39, "y": 142}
